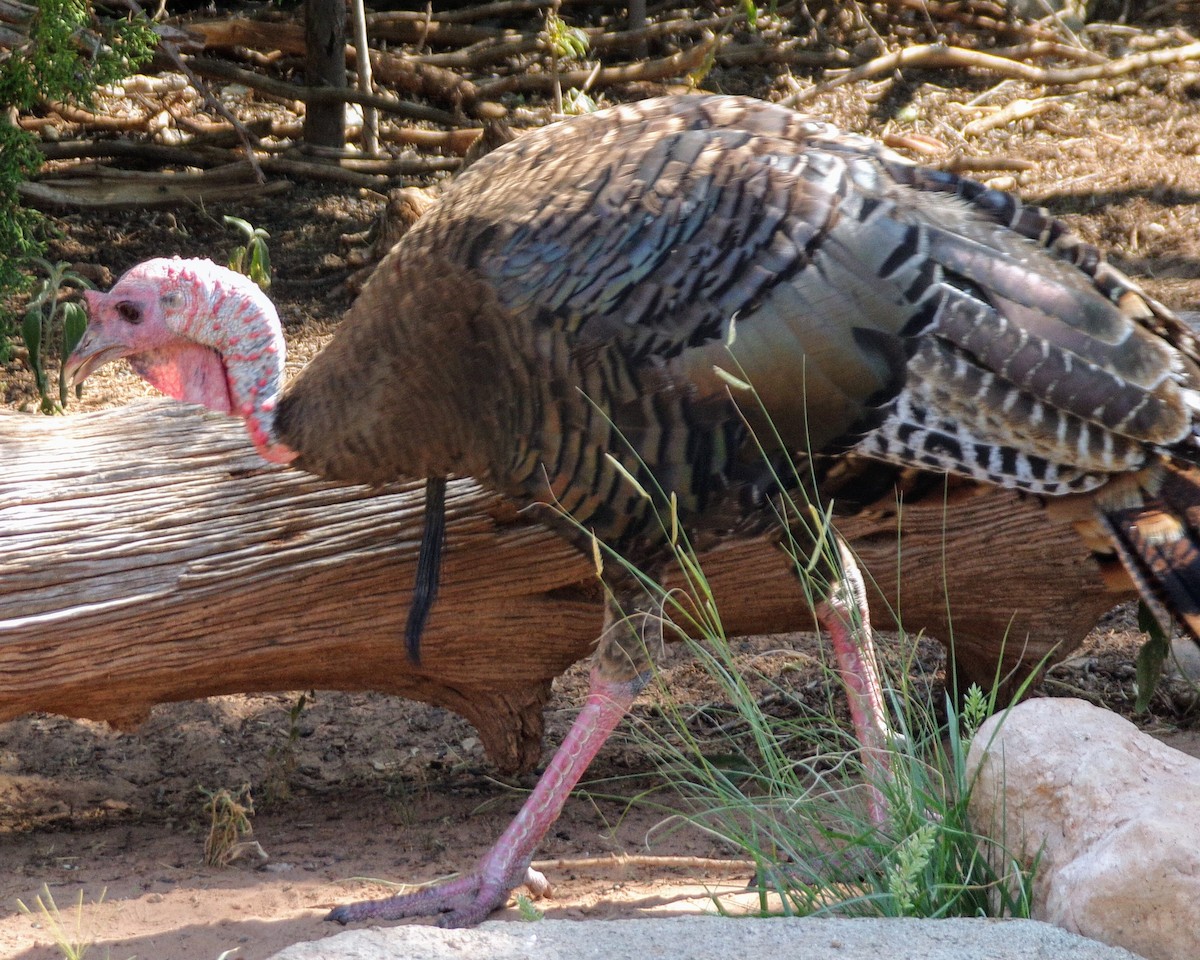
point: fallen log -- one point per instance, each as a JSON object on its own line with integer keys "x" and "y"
{"x": 147, "y": 555}
{"x": 108, "y": 188}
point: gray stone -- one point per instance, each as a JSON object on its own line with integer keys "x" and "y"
{"x": 1184, "y": 661}
{"x": 714, "y": 938}
{"x": 1113, "y": 813}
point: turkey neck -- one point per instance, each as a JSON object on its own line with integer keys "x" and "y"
{"x": 408, "y": 388}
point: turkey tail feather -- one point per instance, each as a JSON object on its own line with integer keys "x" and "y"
{"x": 1158, "y": 541}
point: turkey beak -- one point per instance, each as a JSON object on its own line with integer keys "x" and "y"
{"x": 98, "y": 345}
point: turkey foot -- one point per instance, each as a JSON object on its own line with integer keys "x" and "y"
{"x": 461, "y": 902}
{"x": 467, "y": 900}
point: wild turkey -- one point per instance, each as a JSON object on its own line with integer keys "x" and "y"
{"x": 554, "y": 327}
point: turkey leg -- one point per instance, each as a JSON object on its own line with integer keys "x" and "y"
{"x": 467, "y": 900}
{"x": 844, "y": 615}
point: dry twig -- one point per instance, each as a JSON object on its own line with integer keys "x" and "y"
{"x": 1019, "y": 109}
{"x": 212, "y": 67}
{"x": 939, "y": 55}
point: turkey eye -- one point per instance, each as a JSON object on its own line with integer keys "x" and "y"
{"x": 129, "y": 312}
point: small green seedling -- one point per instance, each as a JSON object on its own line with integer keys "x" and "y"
{"x": 576, "y": 103}
{"x": 49, "y": 317}
{"x": 529, "y": 913}
{"x": 564, "y": 42}
{"x": 253, "y": 258}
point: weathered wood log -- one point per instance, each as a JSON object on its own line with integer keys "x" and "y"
{"x": 108, "y": 188}
{"x": 147, "y": 555}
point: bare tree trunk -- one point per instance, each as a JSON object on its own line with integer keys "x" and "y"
{"x": 147, "y": 555}
{"x": 325, "y": 65}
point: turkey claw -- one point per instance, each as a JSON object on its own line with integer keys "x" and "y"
{"x": 463, "y": 902}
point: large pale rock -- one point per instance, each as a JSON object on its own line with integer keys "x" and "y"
{"x": 1114, "y": 814}
{"x": 714, "y": 938}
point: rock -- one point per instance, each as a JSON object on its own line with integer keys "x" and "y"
{"x": 1114, "y": 814}
{"x": 1184, "y": 661}
{"x": 714, "y": 938}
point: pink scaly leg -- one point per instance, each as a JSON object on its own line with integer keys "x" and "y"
{"x": 844, "y": 615}
{"x": 467, "y": 900}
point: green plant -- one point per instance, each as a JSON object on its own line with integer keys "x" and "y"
{"x": 69, "y": 937}
{"x": 253, "y": 258}
{"x": 1150, "y": 658}
{"x": 48, "y": 318}
{"x": 576, "y": 103}
{"x": 281, "y": 758}
{"x": 19, "y": 160}
{"x": 791, "y": 793}
{"x": 750, "y": 12}
{"x": 565, "y": 43}
{"x": 58, "y": 50}
{"x": 529, "y": 913}
{"x": 788, "y": 794}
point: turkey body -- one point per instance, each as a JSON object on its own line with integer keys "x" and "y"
{"x": 555, "y": 324}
